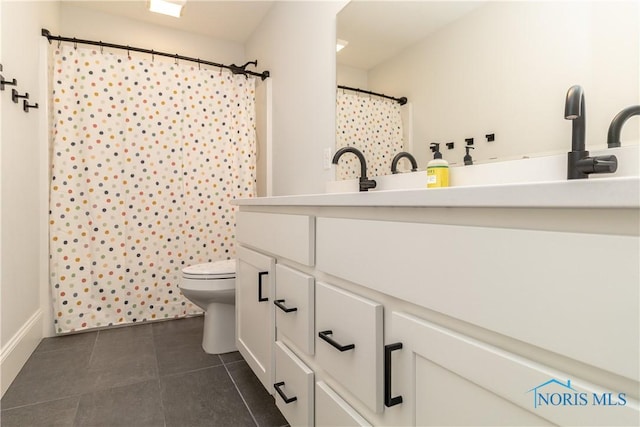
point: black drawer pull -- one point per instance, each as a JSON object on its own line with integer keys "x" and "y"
{"x": 325, "y": 336}
{"x": 281, "y": 306}
{"x": 260, "y": 276}
{"x": 284, "y": 397}
{"x": 388, "y": 400}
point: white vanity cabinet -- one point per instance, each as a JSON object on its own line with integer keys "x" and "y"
{"x": 419, "y": 316}
{"x": 255, "y": 333}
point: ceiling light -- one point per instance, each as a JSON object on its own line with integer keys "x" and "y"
{"x": 167, "y": 7}
{"x": 341, "y": 44}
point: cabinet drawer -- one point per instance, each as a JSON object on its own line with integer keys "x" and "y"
{"x": 294, "y": 387}
{"x": 354, "y": 324}
{"x": 288, "y": 236}
{"x": 295, "y": 307}
{"x": 332, "y": 410}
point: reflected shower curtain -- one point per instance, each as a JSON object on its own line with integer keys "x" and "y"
{"x": 146, "y": 157}
{"x": 371, "y": 124}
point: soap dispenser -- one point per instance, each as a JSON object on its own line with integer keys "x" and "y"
{"x": 467, "y": 158}
{"x": 437, "y": 169}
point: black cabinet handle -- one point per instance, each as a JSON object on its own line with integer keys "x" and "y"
{"x": 281, "y": 306}
{"x": 260, "y": 297}
{"x": 388, "y": 400}
{"x": 284, "y": 397}
{"x": 325, "y": 336}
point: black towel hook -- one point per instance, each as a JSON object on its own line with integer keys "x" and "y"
{"x": 26, "y": 106}
{"x": 15, "y": 96}
{"x": 4, "y": 82}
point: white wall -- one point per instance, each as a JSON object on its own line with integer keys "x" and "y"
{"x": 89, "y": 24}
{"x": 352, "y": 77}
{"x": 296, "y": 42}
{"x": 527, "y": 55}
{"x": 23, "y": 172}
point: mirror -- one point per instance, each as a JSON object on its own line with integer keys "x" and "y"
{"x": 472, "y": 69}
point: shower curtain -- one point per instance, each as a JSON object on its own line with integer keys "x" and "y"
{"x": 371, "y": 124}
{"x": 146, "y": 158}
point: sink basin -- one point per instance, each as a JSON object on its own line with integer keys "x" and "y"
{"x": 526, "y": 170}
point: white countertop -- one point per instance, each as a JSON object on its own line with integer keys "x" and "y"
{"x": 623, "y": 192}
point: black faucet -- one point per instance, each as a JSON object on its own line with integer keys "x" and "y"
{"x": 365, "y": 183}
{"x": 613, "y": 136}
{"x": 400, "y": 155}
{"x": 579, "y": 164}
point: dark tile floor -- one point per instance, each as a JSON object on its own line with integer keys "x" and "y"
{"x": 144, "y": 375}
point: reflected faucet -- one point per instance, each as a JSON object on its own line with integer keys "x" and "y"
{"x": 613, "y": 136}
{"x": 396, "y": 159}
{"x": 579, "y": 164}
{"x": 365, "y": 183}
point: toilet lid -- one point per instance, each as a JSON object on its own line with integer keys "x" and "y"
{"x": 218, "y": 270}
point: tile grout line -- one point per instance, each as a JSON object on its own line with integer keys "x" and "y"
{"x": 240, "y": 393}
{"x": 93, "y": 348}
{"x": 159, "y": 381}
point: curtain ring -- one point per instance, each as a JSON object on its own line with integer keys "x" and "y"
{"x": 128, "y": 53}
{"x": 153, "y": 58}
{"x": 75, "y": 44}
{"x": 220, "y": 73}
{"x": 176, "y": 59}
{"x": 101, "y": 48}
{"x": 198, "y": 64}
{"x": 59, "y": 43}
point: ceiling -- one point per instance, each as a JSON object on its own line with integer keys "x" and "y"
{"x": 375, "y": 30}
{"x": 224, "y": 20}
{"x": 379, "y": 30}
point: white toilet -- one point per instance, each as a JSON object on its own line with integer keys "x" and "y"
{"x": 212, "y": 287}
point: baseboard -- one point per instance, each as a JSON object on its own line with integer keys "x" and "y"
{"x": 16, "y": 352}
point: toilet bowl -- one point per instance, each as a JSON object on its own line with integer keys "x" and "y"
{"x": 212, "y": 287}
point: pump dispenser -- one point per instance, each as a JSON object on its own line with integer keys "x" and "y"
{"x": 467, "y": 158}
{"x": 437, "y": 169}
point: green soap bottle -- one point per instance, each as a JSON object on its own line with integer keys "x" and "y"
{"x": 437, "y": 169}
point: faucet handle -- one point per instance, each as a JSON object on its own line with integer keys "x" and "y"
{"x": 366, "y": 184}
{"x": 598, "y": 164}
{"x": 605, "y": 164}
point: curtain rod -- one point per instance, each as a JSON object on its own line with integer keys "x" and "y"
{"x": 235, "y": 69}
{"x": 403, "y": 100}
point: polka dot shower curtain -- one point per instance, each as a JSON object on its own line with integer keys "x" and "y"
{"x": 371, "y": 124}
{"x": 146, "y": 157}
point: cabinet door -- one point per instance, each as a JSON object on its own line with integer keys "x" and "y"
{"x": 349, "y": 342}
{"x": 446, "y": 378}
{"x": 254, "y": 313}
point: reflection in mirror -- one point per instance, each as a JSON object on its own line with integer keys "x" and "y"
{"x": 502, "y": 68}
